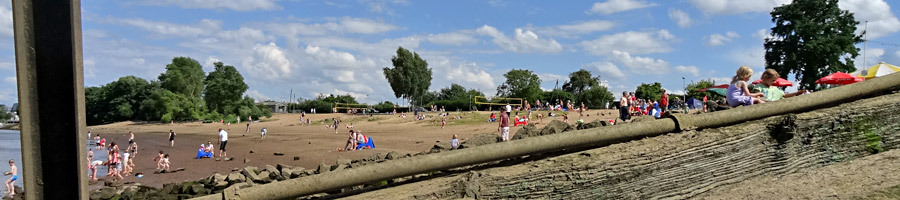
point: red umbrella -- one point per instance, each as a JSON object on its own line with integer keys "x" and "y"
{"x": 725, "y": 86}
{"x": 839, "y": 78}
{"x": 780, "y": 82}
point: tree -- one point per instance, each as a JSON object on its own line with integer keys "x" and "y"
{"x": 595, "y": 97}
{"x": 410, "y": 77}
{"x": 183, "y": 76}
{"x": 520, "y": 83}
{"x": 579, "y": 81}
{"x": 4, "y": 114}
{"x": 650, "y": 92}
{"x": 693, "y": 89}
{"x": 224, "y": 88}
{"x": 454, "y": 92}
{"x": 810, "y": 39}
{"x": 556, "y": 96}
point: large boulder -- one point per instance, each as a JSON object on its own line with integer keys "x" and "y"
{"x": 555, "y": 127}
{"x": 392, "y": 155}
{"x": 263, "y": 177}
{"x": 274, "y": 174}
{"x": 235, "y": 177}
{"x": 323, "y": 168}
{"x": 283, "y": 166}
{"x": 286, "y": 172}
{"x": 526, "y": 131}
{"x": 251, "y": 174}
{"x": 594, "y": 124}
{"x": 297, "y": 172}
{"x": 481, "y": 139}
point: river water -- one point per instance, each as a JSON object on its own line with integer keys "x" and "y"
{"x": 10, "y": 148}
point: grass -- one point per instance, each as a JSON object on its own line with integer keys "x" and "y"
{"x": 867, "y": 131}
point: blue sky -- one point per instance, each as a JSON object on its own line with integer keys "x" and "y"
{"x": 339, "y": 47}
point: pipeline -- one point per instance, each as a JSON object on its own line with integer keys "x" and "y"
{"x": 581, "y": 138}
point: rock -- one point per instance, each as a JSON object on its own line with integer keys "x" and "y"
{"x": 392, "y": 155}
{"x": 229, "y": 159}
{"x": 282, "y": 166}
{"x": 296, "y": 157}
{"x": 287, "y": 172}
{"x": 338, "y": 167}
{"x": 376, "y": 157}
{"x": 220, "y": 184}
{"x": 246, "y": 160}
{"x": 323, "y": 168}
{"x": 251, "y": 174}
{"x": 344, "y": 161}
{"x": 309, "y": 172}
{"x": 251, "y": 151}
{"x": 236, "y": 178}
{"x": 217, "y": 177}
{"x": 297, "y": 173}
{"x": 278, "y": 154}
{"x": 272, "y": 169}
{"x": 554, "y": 127}
{"x": 527, "y": 131}
{"x": 481, "y": 139}
{"x": 108, "y": 193}
{"x": 441, "y": 146}
{"x": 264, "y": 177}
{"x": 199, "y": 189}
{"x": 594, "y": 124}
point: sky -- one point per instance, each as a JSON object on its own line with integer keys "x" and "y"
{"x": 341, "y": 47}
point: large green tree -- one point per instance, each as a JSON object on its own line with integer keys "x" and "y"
{"x": 595, "y": 97}
{"x": 410, "y": 77}
{"x": 520, "y": 83}
{"x": 455, "y": 91}
{"x": 811, "y": 39}
{"x": 224, "y": 88}
{"x": 116, "y": 101}
{"x": 693, "y": 89}
{"x": 650, "y": 92}
{"x": 183, "y": 76}
{"x": 579, "y": 81}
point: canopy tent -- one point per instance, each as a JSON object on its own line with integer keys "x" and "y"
{"x": 780, "y": 82}
{"x": 695, "y": 103}
{"x": 839, "y": 78}
{"x": 723, "y": 86}
{"x": 877, "y": 70}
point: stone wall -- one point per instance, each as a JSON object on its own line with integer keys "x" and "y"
{"x": 682, "y": 165}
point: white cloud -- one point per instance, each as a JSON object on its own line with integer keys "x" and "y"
{"x": 453, "y": 38}
{"x": 256, "y": 95}
{"x": 11, "y": 80}
{"x": 762, "y": 34}
{"x": 641, "y": 64}
{"x": 6, "y": 21}
{"x": 552, "y": 77}
{"x": 605, "y": 69}
{"x": 680, "y": 17}
{"x": 574, "y": 29}
{"x": 729, "y": 7}
{"x": 236, "y": 5}
{"x": 204, "y": 27}
{"x": 693, "y": 70}
{"x": 872, "y": 56}
{"x": 632, "y": 42}
{"x": 722, "y": 80}
{"x": 7, "y": 65}
{"x": 719, "y": 39}
{"x": 467, "y": 74}
{"x": 881, "y": 18}
{"x": 341, "y": 25}
{"x": 523, "y": 41}
{"x": 382, "y": 6}
{"x": 753, "y": 57}
{"x": 267, "y": 61}
{"x": 614, "y": 6}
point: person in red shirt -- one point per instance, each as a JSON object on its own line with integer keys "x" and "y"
{"x": 704, "y": 103}
{"x": 504, "y": 126}
{"x": 664, "y": 101}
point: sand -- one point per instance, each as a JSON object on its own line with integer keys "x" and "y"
{"x": 313, "y": 144}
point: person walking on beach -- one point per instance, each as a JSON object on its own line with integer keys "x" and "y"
{"x": 624, "y": 109}
{"x": 664, "y": 101}
{"x": 14, "y": 172}
{"x": 248, "y": 128}
{"x": 504, "y": 126}
{"x": 171, "y": 138}
{"x": 131, "y": 138}
{"x": 223, "y": 140}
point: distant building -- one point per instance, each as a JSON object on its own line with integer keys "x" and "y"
{"x": 277, "y": 107}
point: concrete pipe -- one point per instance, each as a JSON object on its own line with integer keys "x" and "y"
{"x": 589, "y": 137}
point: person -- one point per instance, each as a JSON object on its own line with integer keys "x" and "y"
{"x": 503, "y": 127}
{"x": 223, "y": 140}
{"x": 704, "y": 103}
{"x": 443, "y": 121}
{"x": 454, "y": 142}
{"x": 537, "y": 104}
{"x": 493, "y": 117}
{"x": 238, "y": 119}
{"x": 166, "y": 162}
{"x": 14, "y": 172}
{"x": 623, "y": 107}
{"x": 171, "y": 138}
{"x": 250, "y": 119}
{"x": 131, "y": 138}
{"x": 115, "y": 164}
{"x": 335, "y": 125}
{"x": 125, "y": 156}
{"x": 363, "y": 141}
{"x": 89, "y": 135}
{"x": 210, "y": 149}
{"x": 201, "y": 152}
{"x": 248, "y": 128}
{"x": 664, "y": 101}
{"x": 262, "y": 132}
{"x": 772, "y": 93}
{"x": 102, "y": 143}
{"x": 159, "y": 160}
{"x": 93, "y": 167}
{"x": 738, "y": 94}
{"x": 351, "y": 140}
{"x": 508, "y": 110}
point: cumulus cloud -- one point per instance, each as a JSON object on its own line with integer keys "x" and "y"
{"x": 236, "y": 5}
{"x": 6, "y": 21}
{"x": 267, "y": 61}
{"x": 693, "y": 70}
{"x": 615, "y": 6}
{"x": 453, "y": 38}
{"x": 467, "y": 74}
{"x": 641, "y": 64}
{"x": 256, "y": 95}
{"x": 632, "y": 42}
{"x": 762, "y": 34}
{"x": 719, "y": 39}
{"x": 545, "y": 77}
{"x": 340, "y": 25}
{"x": 872, "y": 56}
{"x": 605, "y": 69}
{"x": 204, "y": 27}
{"x": 523, "y": 41}
{"x": 680, "y": 17}
{"x": 733, "y": 7}
{"x": 753, "y": 57}
{"x": 574, "y": 29}
{"x": 881, "y": 19}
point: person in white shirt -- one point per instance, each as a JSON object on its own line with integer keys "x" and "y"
{"x": 223, "y": 140}
{"x": 508, "y": 109}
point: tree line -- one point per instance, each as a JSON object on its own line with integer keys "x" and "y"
{"x": 182, "y": 93}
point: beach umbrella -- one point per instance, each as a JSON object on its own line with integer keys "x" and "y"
{"x": 877, "y": 70}
{"x": 720, "y": 91}
{"x": 780, "y": 82}
{"x": 839, "y": 78}
{"x": 723, "y": 86}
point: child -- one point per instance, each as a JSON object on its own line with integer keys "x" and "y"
{"x": 171, "y": 138}
{"x": 159, "y": 160}
{"x": 93, "y": 167}
{"x": 351, "y": 141}
{"x": 772, "y": 93}
{"x": 166, "y": 162}
{"x": 738, "y": 94}
{"x": 262, "y": 133}
{"x": 14, "y": 172}
{"x": 454, "y": 143}
{"x": 443, "y": 122}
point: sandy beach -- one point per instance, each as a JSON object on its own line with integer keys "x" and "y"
{"x": 313, "y": 144}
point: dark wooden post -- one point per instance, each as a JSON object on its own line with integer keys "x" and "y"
{"x": 51, "y": 98}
